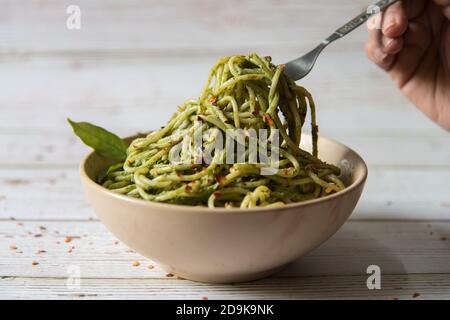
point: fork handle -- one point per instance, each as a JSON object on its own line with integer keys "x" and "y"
{"x": 359, "y": 20}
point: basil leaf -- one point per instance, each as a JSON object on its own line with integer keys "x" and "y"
{"x": 105, "y": 143}
{"x": 113, "y": 168}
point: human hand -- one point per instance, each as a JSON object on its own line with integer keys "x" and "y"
{"x": 413, "y": 46}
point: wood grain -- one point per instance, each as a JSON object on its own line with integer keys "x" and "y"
{"x": 397, "y": 247}
{"x": 140, "y": 93}
{"x": 127, "y": 69}
{"x": 177, "y": 27}
{"x": 390, "y": 194}
{"x": 408, "y": 150}
{"x": 420, "y": 286}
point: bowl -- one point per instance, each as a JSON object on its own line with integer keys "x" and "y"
{"x": 227, "y": 245}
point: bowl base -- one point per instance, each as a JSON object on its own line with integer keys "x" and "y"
{"x": 223, "y": 278}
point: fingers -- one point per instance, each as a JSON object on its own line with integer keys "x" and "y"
{"x": 396, "y": 17}
{"x": 416, "y": 42}
{"x": 395, "y": 21}
{"x": 378, "y": 52}
{"x": 391, "y": 45}
{"x": 383, "y": 45}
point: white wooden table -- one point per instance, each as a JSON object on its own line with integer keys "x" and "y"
{"x": 126, "y": 69}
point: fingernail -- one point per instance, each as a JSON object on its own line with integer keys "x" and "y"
{"x": 387, "y": 41}
{"x": 380, "y": 56}
{"x": 391, "y": 22}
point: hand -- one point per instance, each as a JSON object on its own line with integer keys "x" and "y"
{"x": 413, "y": 46}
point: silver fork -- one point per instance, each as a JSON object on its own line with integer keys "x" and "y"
{"x": 300, "y": 67}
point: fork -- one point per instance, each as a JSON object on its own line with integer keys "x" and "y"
{"x": 300, "y": 67}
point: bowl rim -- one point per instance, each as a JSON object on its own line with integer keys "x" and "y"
{"x": 177, "y": 207}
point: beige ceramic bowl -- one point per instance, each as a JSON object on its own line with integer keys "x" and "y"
{"x": 227, "y": 245}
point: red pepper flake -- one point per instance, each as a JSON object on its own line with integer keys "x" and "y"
{"x": 188, "y": 188}
{"x": 220, "y": 179}
{"x": 268, "y": 119}
{"x": 213, "y": 101}
{"x": 70, "y": 238}
{"x": 217, "y": 194}
{"x": 328, "y": 190}
{"x": 34, "y": 263}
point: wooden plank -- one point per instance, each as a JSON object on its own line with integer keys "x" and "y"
{"x": 391, "y": 194}
{"x": 378, "y": 150}
{"x": 43, "y": 194}
{"x": 160, "y": 26}
{"x": 139, "y": 94}
{"x": 423, "y": 286}
{"x": 405, "y": 194}
{"x": 397, "y": 247}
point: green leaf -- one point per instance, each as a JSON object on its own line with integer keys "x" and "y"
{"x": 113, "y": 168}
{"x": 105, "y": 143}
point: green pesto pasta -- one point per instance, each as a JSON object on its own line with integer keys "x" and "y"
{"x": 242, "y": 92}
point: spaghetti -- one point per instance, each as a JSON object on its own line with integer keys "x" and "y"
{"x": 242, "y": 92}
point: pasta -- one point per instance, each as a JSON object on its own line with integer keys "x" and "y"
{"x": 242, "y": 93}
